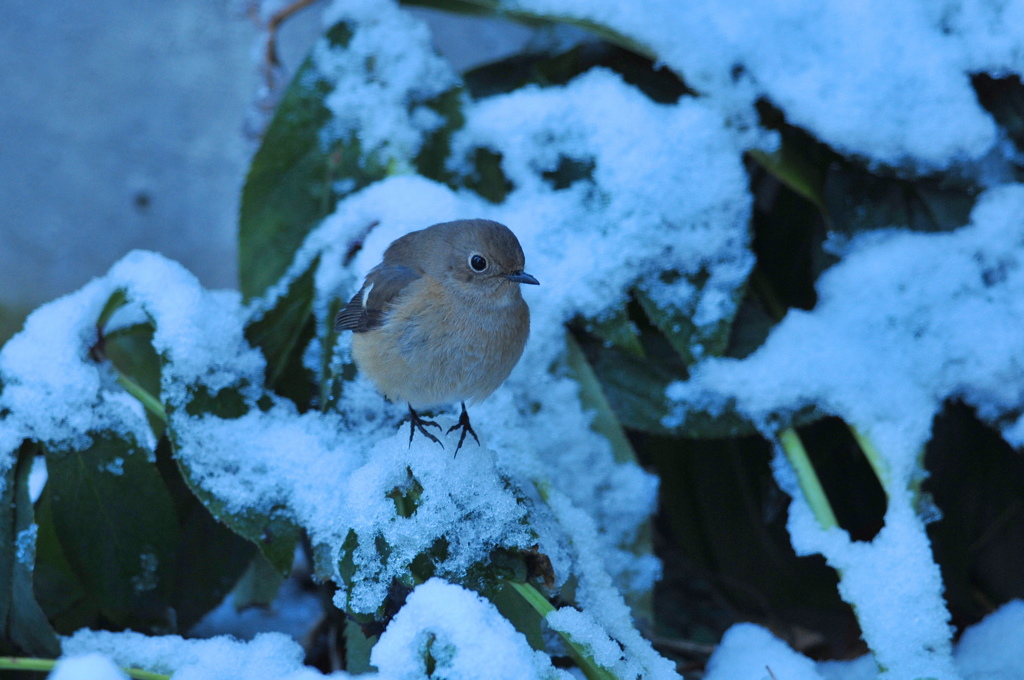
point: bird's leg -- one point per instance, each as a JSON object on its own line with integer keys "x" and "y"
{"x": 417, "y": 423}
{"x": 466, "y": 428}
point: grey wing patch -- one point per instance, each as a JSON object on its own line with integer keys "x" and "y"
{"x": 365, "y": 311}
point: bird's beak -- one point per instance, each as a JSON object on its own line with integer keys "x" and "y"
{"x": 522, "y": 277}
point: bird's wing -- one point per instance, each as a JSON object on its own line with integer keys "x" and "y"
{"x": 365, "y": 311}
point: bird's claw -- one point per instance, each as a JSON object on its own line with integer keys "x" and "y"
{"x": 464, "y": 425}
{"x": 418, "y": 423}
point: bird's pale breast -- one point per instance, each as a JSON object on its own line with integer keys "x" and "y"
{"x": 463, "y": 354}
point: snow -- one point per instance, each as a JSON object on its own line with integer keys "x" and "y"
{"x": 749, "y": 652}
{"x": 994, "y": 647}
{"x": 269, "y": 656}
{"x": 988, "y": 650}
{"x": 468, "y": 638}
{"x": 382, "y": 80}
{"x": 464, "y": 635}
{"x": 886, "y": 81}
{"x": 91, "y": 666}
{"x": 899, "y": 328}
{"x": 895, "y": 333}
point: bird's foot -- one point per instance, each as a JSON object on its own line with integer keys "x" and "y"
{"x": 418, "y": 423}
{"x": 466, "y": 428}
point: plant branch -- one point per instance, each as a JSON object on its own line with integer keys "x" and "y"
{"x": 579, "y": 652}
{"x": 808, "y": 478}
{"x": 14, "y": 663}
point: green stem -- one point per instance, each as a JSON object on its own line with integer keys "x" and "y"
{"x": 14, "y": 663}
{"x": 149, "y": 402}
{"x": 875, "y": 459}
{"x": 808, "y": 478}
{"x": 579, "y": 653}
{"x": 116, "y": 300}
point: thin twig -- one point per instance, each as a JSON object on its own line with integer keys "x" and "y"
{"x": 274, "y": 24}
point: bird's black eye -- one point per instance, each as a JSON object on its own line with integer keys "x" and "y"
{"x": 477, "y": 262}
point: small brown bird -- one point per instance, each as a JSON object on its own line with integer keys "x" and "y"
{"x": 441, "y": 319}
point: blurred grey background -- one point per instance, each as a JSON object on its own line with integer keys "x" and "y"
{"x": 123, "y": 125}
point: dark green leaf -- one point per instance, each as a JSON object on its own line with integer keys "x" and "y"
{"x": 470, "y": 7}
{"x": 860, "y": 201}
{"x": 750, "y": 328}
{"x": 976, "y": 480}
{"x": 279, "y": 331}
{"x": 690, "y": 341}
{"x": 634, "y": 387}
{"x": 569, "y": 171}
{"x": 789, "y": 235}
{"x": 116, "y": 524}
{"x": 725, "y": 512}
{"x": 12, "y": 318}
{"x": 273, "y": 532}
{"x": 330, "y": 383}
{"x": 432, "y": 159}
{"x": 801, "y": 163}
{"x": 116, "y": 300}
{"x": 1004, "y": 99}
{"x": 228, "y": 403}
{"x": 616, "y": 330}
{"x": 292, "y": 183}
{"x": 487, "y": 178}
{"x": 593, "y": 398}
{"x": 520, "y": 614}
{"x": 22, "y": 621}
{"x": 210, "y": 557}
{"x": 547, "y": 69}
{"x": 357, "y": 649}
{"x": 258, "y": 585}
{"x": 131, "y": 351}
{"x": 59, "y": 591}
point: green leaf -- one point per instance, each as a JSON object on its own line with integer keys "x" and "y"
{"x": 131, "y": 351}
{"x": 357, "y": 649}
{"x": 283, "y": 333}
{"x": 432, "y": 159}
{"x": 547, "y": 69}
{"x": 634, "y": 387}
{"x": 861, "y": 201}
{"x": 801, "y": 163}
{"x": 607, "y": 424}
{"x": 690, "y": 341}
{"x": 116, "y": 524}
{"x": 258, "y": 585}
{"x": 58, "y": 590}
{"x": 581, "y": 652}
{"x": 292, "y": 182}
{"x": 616, "y": 330}
{"x": 751, "y": 327}
{"x": 1004, "y": 99}
{"x": 330, "y": 382}
{"x": 210, "y": 557}
{"x": 593, "y": 398}
{"x": 302, "y": 168}
{"x": 487, "y": 178}
{"x": 22, "y": 621}
{"x": 520, "y": 614}
{"x": 273, "y": 532}
{"x": 116, "y": 300}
